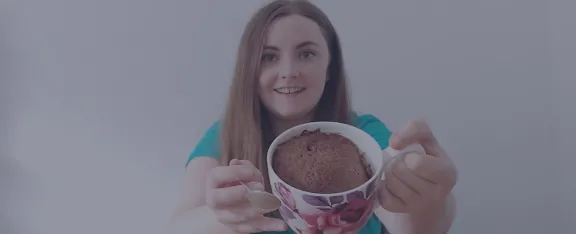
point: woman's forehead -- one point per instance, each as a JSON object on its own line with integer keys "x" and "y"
{"x": 292, "y": 31}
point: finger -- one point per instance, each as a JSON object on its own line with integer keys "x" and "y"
{"x": 239, "y": 213}
{"x": 225, "y": 175}
{"x": 391, "y": 202}
{"x": 243, "y": 162}
{"x": 246, "y": 163}
{"x": 232, "y": 195}
{"x": 417, "y": 131}
{"x": 428, "y": 167}
{"x": 263, "y": 224}
{"x": 255, "y": 185}
{"x": 406, "y": 176}
{"x": 406, "y": 194}
{"x": 227, "y": 196}
{"x": 234, "y": 162}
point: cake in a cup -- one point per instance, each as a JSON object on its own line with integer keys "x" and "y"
{"x": 319, "y": 162}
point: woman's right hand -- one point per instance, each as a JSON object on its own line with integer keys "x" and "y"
{"x": 228, "y": 198}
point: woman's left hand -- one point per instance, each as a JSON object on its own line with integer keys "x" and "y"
{"x": 414, "y": 181}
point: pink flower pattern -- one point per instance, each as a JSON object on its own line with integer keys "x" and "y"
{"x": 336, "y": 214}
{"x": 285, "y": 196}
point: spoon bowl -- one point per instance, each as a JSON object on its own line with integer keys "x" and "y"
{"x": 262, "y": 200}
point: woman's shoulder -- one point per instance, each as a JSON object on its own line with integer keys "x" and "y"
{"x": 209, "y": 143}
{"x": 211, "y": 134}
{"x": 360, "y": 119}
{"x": 372, "y": 125}
{"x": 215, "y": 127}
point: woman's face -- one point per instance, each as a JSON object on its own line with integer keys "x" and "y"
{"x": 294, "y": 65}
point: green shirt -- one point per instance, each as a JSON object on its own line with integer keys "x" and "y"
{"x": 209, "y": 145}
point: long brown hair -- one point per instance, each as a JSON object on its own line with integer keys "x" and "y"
{"x": 246, "y": 129}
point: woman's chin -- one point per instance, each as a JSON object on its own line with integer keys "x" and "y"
{"x": 292, "y": 115}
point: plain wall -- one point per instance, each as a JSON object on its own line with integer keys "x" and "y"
{"x": 102, "y": 101}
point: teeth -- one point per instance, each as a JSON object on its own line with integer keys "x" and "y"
{"x": 289, "y": 90}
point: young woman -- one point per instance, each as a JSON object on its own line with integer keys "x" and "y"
{"x": 290, "y": 71}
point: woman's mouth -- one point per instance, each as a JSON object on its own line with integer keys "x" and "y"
{"x": 289, "y": 90}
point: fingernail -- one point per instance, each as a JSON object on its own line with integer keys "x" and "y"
{"x": 393, "y": 142}
{"x": 256, "y": 186}
{"x": 259, "y": 186}
{"x": 382, "y": 197}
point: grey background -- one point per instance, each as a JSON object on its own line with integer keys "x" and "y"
{"x": 101, "y": 101}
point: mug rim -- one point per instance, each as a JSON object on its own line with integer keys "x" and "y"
{"x": 275, "y": 142}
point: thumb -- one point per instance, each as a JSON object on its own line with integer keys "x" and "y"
{"x": 247, "y": 163}
{"x": 243, "y": 162}
{"x": 417, "y": 132}
{"x": 234, "y": 162}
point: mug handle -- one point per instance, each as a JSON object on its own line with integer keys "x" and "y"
{"x": 389, "y": 154}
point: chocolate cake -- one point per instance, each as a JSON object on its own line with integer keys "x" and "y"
{"x": 321, "y": 163}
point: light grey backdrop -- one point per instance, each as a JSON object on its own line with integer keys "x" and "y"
{"x": 101, "y": 101}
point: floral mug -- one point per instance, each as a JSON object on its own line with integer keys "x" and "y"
{"x": 338, "y": 213}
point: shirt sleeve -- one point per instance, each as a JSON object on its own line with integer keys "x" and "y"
{"x": 375, "y": 128}
{"x": 209, "y": 144}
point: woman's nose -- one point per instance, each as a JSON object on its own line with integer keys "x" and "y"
{"x": 288, "y": 70}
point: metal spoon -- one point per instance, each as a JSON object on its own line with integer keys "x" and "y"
{"x": 261, "y": 199}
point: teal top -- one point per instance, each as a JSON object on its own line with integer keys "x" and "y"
{"x": 209, "y": 145}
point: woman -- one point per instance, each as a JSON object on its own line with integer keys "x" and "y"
{"x": 290, "y": 71}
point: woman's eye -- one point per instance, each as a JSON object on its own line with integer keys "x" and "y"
{"x": 268, "y": 57}
{"x": 307, "y": 54}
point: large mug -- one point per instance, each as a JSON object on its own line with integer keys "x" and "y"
{"x": 339, "y": 213}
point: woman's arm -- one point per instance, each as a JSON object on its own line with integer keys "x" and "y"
{"x": 435, "y": 220}
{"x": 192, "y": 216}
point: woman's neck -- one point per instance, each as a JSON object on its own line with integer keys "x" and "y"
{"x": 281, "y": 125}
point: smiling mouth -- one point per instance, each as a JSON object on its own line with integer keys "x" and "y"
{"x": 289, "y": 90}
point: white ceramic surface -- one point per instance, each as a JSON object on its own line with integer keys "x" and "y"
{"x": 344, "y": 212}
